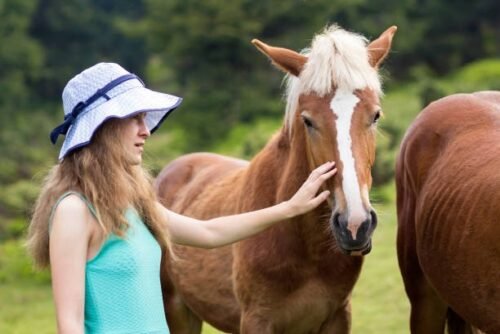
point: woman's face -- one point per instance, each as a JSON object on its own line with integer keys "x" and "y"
{"x": 134, "y": 135}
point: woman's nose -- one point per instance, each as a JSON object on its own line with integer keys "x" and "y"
{"x": 144, "y": 130}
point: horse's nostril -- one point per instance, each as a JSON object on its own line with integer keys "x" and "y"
{"x": 336, "y": 221}
{"x": 373, "y": 216}
{"x": 363, "y": 228}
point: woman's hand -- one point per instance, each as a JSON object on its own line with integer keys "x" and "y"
{"x": 307, "y": 197}
{"x": 224, "y": 230}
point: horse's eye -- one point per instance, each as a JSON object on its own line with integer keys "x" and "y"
{"x": 376, "y": 116}
{"x": 307, "y": 122}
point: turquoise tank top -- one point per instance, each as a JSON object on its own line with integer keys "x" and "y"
{"x": 122, "y": 282}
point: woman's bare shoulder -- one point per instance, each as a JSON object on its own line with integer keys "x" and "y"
{"x": 71, "y": 214}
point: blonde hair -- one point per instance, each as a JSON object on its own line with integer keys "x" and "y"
{"x": 101, "y": 173}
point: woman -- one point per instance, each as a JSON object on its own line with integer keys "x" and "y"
{"x": 97, "y": 223}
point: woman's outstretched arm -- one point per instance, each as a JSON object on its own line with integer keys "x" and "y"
{"x": 228, "y": 229}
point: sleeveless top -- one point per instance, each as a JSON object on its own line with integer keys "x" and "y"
{"x": 122, "y": 282}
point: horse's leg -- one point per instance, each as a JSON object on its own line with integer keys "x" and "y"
{"x": 180, "y": 319}
{"x": 428, "y": 311}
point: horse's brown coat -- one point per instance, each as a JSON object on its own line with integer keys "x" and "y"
{"x": 448, "y": 182}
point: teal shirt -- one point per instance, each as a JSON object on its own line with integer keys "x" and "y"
{"x": 122, "y": 283}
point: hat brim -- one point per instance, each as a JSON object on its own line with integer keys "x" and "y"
{"x": 157, "y": 107}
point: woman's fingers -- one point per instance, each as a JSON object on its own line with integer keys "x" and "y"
{"x": 321, "y": 170}
{"x": 320, "y": 198}
{"x": 307, "y": 197}
{"x": 316, "y": 184}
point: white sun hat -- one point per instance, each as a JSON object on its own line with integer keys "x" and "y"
{"x": 104, "y": 91}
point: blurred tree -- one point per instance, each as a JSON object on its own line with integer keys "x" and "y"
{"x": 21, "y": 60}
{"x": 21, "y": 57}
{"x": 457, "y": 32}
{"x": 77, "y": 34}
{"x": 206, "y": 46}
{"x": 44, "y": 43}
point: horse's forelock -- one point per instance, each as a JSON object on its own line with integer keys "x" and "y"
{"x": 337, "y": 58}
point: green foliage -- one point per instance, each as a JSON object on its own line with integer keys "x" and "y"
{"x": 21, "y": 56}
{"x": 462, "y": 36}
{"x": 167, "y": 144}
{"x": 480, "y": 75}
{"x": 26, "y": 156}
{"x": 16, "y": 267}
{"x": 383, "y": 194}
{"x": 208, "y": 48}
{"x": 246, "y": 140}
{"x": 15, "y": 199}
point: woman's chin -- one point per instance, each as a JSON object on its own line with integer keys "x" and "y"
{"x": 134, "y": 160}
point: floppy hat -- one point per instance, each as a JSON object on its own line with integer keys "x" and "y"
{"x": 104, "y": 91}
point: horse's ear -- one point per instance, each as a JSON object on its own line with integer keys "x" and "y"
{"x": 284, "y": 59}
{"x": 379, "y": 48}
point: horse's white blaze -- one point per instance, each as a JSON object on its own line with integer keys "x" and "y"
{"x": 342, "y": 105}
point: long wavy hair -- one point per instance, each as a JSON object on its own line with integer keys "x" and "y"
{"x": 101, "y": 173}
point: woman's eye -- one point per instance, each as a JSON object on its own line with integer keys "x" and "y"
{"x": 139, "y": 117}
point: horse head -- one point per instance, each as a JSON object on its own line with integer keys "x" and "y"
{"x": 333, "y": 108}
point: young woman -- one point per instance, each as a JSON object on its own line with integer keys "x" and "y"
{"x": 97, "y": 223}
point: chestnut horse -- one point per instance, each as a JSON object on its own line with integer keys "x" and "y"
{"x": 293, "y": 277}
{"x": 448, "y": 201}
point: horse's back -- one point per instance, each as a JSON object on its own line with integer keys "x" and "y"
{"x": 192, "y": 176}
{"x": 447, "y": 180}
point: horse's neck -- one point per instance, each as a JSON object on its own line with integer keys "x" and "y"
{"x": 276, "y": 173}
{"x": 274, "y": 176}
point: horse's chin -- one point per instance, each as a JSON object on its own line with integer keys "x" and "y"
{"x": 358, "y": 251}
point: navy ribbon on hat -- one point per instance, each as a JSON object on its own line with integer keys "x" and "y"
{"x": 70, "y": 118}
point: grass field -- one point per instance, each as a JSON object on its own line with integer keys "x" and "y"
{"x": 379, "y": 302}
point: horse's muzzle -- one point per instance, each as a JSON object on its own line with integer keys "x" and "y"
{"x": 361, "y": 244}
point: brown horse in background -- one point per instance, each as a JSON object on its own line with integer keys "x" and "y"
{"x": 297, "y": 276}
{"x": 448, "y": 200}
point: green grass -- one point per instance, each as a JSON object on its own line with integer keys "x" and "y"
{"x": 379, "y": 303}
{"x": 26, "y": 308}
